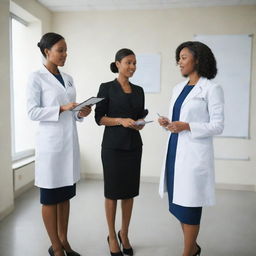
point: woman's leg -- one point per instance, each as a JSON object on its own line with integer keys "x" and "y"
{"x": 110, "y": 208}
{"x": 127, "y": 206}
{"x": 63, "y": 218}
{"x": 49, "y": 214}
{"x": 190, "y": 235}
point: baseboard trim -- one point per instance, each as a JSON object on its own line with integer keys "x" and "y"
{"x": 239, "y": 187}
{"x": 6, "y": 212}
{"x": 92, "y": 176}
{"x": 23, "y": 189}
{"x": 152, "y": 179}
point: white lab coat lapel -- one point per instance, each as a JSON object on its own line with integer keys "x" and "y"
{"x": 68, "y": 90}
{"x": 67, "y": 81}
{"x": 178, "y": 91}
{"x": 175, "y": 95}
{"x": 53, "y": 80}
{"x": 195, "y": 91}
{"x": 69, "y": 87}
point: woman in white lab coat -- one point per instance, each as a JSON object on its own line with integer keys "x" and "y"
{"x": 50, "y": 97}
{"x": 196, "y": 115}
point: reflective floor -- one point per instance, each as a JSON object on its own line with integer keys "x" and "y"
{"x": 227, "y": 229}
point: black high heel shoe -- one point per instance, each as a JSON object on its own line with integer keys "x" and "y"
{"x": 72, "y": 253}
{"x": 198, "y": 251}
{"x": 114, "y": 253}
{"x": 51, "y": 251}
{"x": 127, "y": 251}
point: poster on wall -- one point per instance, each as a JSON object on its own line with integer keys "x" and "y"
{"x": 233, "y": 56}
{"x": 148, "y": 74}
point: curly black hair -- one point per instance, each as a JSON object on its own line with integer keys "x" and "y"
{"x": 206, "y": 63}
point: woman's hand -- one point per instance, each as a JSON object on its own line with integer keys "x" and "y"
{"x": 139, "y": 127}
{"x": 69, "y": 106}
{"x": 163, "y": 121}
{"x": 127, "y": 122}
{"x": 85, "y": 111}
{"x": 178, "y": 126}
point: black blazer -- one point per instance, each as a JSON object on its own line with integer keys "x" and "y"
{"x": 117, "y": 103}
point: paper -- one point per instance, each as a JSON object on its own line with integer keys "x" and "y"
{"x": 148, "y": 72}
{"x": 142, "y": 122}
{"x": 89, "y": 102}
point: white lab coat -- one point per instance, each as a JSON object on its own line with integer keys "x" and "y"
{"x": 194, "y": 179}
{"x": 57, "y": 161}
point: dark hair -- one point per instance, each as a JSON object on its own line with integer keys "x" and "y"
{"x": 48, "y": 40}
{"x": 206, "y": 63}
{"x": 119, "y": 56}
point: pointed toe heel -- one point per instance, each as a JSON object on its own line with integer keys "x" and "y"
{"x": 72, "y": 253}
{"x": 114, "y": 253}
{"x": 51, "y": 251}
{"x": 127, "y": 251}
{"x": 198, "y": 253}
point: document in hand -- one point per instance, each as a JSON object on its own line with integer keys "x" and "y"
{"x": 89, "y": 102}
{"x": 142, "y": 122}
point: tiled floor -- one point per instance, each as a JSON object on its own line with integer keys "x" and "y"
{"x": 228, "y": 229}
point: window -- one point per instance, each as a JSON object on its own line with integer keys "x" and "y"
{"x": 25, "y": 58}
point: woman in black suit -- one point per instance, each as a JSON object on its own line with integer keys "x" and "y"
{"x": 121, "y": 145}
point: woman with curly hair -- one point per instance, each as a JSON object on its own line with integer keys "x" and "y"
{"x": 196, "y": 115}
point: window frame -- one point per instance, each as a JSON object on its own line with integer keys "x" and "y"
{"x": 16, "y": 156}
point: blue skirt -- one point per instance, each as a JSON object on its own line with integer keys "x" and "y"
{"x": 186, "y": 215}
{"x": 57, "y": 195}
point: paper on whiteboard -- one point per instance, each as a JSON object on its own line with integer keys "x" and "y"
{"x": 147, "y": 74}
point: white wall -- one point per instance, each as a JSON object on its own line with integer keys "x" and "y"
{"x": 36, "y": 9}
{"x": 23, "y": 178}
{"x": 6, "y": 183}
{"x": 6, "y": 173}
{"x": 35, "y": 14}
{"x": 93, "y": 38}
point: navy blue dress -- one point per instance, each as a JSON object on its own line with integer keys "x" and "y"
{"x": 187, "y": 215}
{"x": 59, "y": 77}
{"x": 57, "y": 195}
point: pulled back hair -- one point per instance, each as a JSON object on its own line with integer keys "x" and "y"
{"x": 122, "y": 53}
{"x": 206, "y": 63}
{"x": 48, "y": 40}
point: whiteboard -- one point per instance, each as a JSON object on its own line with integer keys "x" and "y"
{"x": 147, "y": 74}
{"x": 233, "y": 56}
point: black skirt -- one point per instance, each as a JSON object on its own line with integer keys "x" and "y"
{"x": 121, "y": 170}
{"x": 57, "y": 195}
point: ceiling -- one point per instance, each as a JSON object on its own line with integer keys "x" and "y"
{"x": 81, "y": 5}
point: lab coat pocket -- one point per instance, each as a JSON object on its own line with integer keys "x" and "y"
{"x": 201, "y": 150}
{"x": 50, "y": 137}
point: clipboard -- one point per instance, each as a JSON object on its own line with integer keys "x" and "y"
{"x": 89, "y": 102}
{"x": 142, "y": 122}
